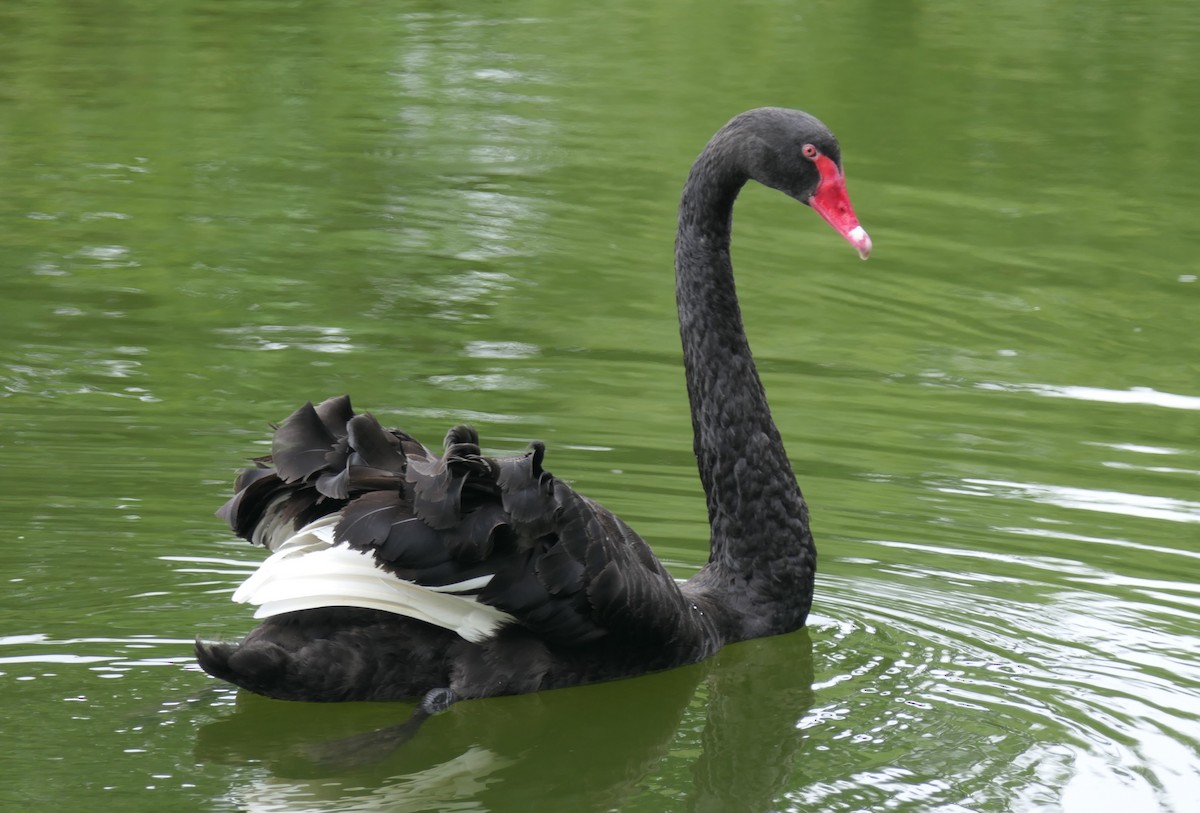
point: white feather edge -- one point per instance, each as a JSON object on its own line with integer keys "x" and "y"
{"x": 308, "y": 571}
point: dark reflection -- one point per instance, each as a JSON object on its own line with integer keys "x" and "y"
{"x": 598, "y": 747}
{"x": 758, "y": 692}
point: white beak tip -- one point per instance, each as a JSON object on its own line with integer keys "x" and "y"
{"x": 859, "y": 238}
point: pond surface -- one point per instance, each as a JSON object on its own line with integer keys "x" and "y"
{"x": 213, "y": 212}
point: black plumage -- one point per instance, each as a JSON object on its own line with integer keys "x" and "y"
{"x": 585, "y": 597}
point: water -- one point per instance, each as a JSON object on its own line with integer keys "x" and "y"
{"x": 213, "y": 212}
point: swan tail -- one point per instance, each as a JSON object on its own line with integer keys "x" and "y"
{"x": 257, "y": 668}
{"x": 213, "y": 657}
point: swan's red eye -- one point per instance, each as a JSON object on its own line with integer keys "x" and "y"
{"x": 810, "y": 152}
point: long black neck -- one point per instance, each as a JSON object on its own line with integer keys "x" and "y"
{"x": 762, "y": 559}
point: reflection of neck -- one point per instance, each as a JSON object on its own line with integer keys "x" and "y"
{"x": 749, "y": 747}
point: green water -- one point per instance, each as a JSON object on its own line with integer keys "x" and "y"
{"x": 211, "y": 212}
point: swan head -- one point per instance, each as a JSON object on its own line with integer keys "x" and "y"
{"x": 794, "y": 152}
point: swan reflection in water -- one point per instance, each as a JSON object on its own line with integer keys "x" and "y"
{"x": 726, "y": 729}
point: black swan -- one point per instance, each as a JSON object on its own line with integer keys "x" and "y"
{"x": 396, "y": 573}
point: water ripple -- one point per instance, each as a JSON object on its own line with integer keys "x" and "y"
{"x": 1136, "y": 505}
{"x": 1134, "y": 395}
{"x": 983, "y": 670}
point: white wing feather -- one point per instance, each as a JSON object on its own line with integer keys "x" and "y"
{"x": 308, "y": 571}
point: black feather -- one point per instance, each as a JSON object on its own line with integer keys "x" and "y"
{"x": 560, "y": 572}
{"x": 246, "y": 478}
{"x": 376, "y": 447}
{"x": 368, "y": 520}
{"x": 526, "y": 490}
{"x": 335, "y": 413}
{"x": 437, "y": 491}
{"x": 461, "y": 434}
{"x": 300, "y": 444}
{"x": 413, "y": 545}
{"x": 473, "y": 539}
{"x": 335, "y": 481}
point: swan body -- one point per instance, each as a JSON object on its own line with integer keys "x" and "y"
{"x": 396, "y": 572}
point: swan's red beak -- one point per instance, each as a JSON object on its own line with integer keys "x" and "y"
{"x": 832, "y": 202}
